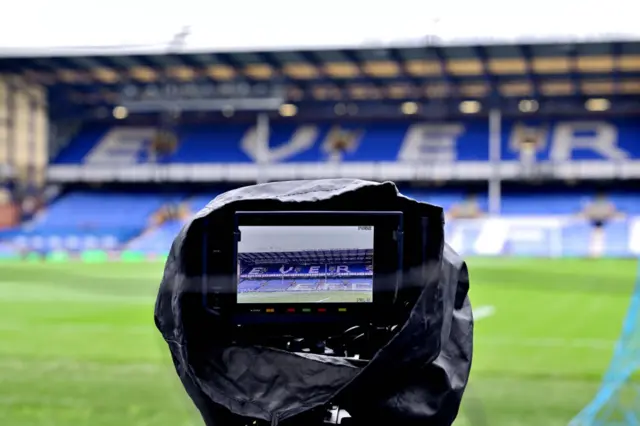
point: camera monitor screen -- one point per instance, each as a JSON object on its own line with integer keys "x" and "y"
{"x": 305, "y": 264}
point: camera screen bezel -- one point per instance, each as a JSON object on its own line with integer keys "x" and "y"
{"x": 388, "y": 236}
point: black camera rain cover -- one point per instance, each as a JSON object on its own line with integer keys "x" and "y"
{"x": 418, "y": 377}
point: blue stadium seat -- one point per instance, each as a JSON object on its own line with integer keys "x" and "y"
{"x": 200, "y": 144}
{"x": 157, "y": 240}
{"x": 444, "y": 200}
{"x": 275, "y": 285}
{"x": 626, "y": 203}
{"x": 81, "y": 145}
{"x": 71, "y": 239}
{"x": 7, "y": 250}
{"x": 524, "y": 204}
{"x": 102, "y": 210}
{"x": 84, "y": 221}
{"x": 198, "y": 202}
{"x": 548, "y": 204}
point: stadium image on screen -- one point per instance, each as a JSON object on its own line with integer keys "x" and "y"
{"x": 305, "y": 264}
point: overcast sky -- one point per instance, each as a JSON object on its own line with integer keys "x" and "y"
{"x": 261, "y": 239}
{"x": 281, "y": 23}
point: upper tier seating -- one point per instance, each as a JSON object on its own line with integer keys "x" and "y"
{"x": 374, "y": 142}
{"x": 80, "y": 146}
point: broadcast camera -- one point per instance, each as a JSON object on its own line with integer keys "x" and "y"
{"x": 314, "y": 302}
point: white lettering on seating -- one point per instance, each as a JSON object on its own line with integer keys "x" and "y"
{"x": 314, "y": 270}
{"x": 120, "y": 145}
{"x": 342, "y": 269}
{"x": 433, "y": 142}
{"x": 255, "y": 271}
{"x": 303, "y": 139}
{"x": 286, "y": 271}
{"x": 597, "y": 136}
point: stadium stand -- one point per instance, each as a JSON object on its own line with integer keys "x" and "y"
{"x": 116, "y": 221}
{"x": 80, "y": 146}
{"x": 572, "y": 143}
{"x": 156, "y": 240}
{"x": 340, "y": 275}
{"x": 376, "y": 142}
{"x": 82, "y": 221}
{"x": 567, "y": 236}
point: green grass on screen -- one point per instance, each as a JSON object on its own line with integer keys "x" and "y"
{"x": 79, "y": 348}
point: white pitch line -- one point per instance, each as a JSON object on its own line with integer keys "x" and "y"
{"x": 483, "y": 312}
{"x": 323, "y": 300}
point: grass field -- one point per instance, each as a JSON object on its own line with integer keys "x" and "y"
{"x": 327, "y": 296}
{"x": 78, "y": 346}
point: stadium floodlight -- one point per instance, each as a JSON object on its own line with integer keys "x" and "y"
{"x": 597, "y": 105}
{"x": 470, "y": 107}
{"x": 409, "y": 108}
{"x": 288, "y": 110}
{"x": 120, "y": 112}
{"x": 528, "y": 105}
{"x": 276, "y": 370}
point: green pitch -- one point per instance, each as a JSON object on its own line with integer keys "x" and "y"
{"x": 306, "y": 297}
{"x": 78, "y": 346}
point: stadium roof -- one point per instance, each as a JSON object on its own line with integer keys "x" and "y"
{"x": 559, "y": 76}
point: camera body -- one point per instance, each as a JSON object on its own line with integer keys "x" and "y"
{"x": 280, "y": 301}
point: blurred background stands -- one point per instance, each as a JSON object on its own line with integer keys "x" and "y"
{"x": 115, "y": 152}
